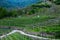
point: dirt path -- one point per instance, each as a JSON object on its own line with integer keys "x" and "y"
{"x": 23, "y": 33}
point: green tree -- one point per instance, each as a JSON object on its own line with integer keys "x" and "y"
{"x": 12, "y": 13}
{"x": 57, "y": 2}
{"x": 3, "y": 12}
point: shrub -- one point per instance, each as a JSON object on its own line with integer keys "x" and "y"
{"x": 3, "y": 12}
{"x": 57, "y": 2}
{"x": 57, "y": 35}
{"x": 12, "y": 13}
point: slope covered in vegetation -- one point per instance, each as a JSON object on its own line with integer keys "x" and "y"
{"x": 42, "y": 20}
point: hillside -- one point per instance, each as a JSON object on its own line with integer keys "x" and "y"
{"x": 41, "y": 19}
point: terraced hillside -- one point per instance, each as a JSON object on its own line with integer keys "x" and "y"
{"x": 42, "y": 24}
{"x": 45, "y": 22}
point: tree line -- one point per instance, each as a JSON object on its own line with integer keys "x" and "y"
{"x": 26, "y": 11}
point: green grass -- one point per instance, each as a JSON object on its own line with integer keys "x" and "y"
{"x": 22, "y": 21}
{"x": 16, "y": 36}
{"x": 4, "y": 31}
{"x": 25, "y": 22}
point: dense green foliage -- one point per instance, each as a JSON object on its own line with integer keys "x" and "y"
{"x": 31, "y": 10}
{"x": 5, "y": 13}
{"x": 25, "y": 11}
{"x": 57, "y": 2}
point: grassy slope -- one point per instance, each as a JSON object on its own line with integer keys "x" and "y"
{"x": 16, "y": 36}
{"x": 25, "y": 22}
